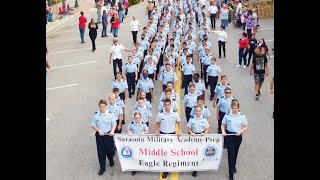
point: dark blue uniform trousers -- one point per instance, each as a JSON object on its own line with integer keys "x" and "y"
{"x": 233, "y": 143}
{"x": 105, "y": 147}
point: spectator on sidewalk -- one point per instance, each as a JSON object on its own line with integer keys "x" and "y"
{"x": 126, "y": 6}
{"x": 102, "y": 9}
{"x": 93, "y": 26}
{"x": 135, "y": 26}
{"x": 99, "y": 4}
{"x": 115, "y": 24}
{"x": 120, "y": 10}
{"x": 104, "y": 24}
{"x": 82, "y": 26}
{"x": 111, "y": 13}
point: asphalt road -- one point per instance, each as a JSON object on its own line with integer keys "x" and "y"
{"x": 79, "y": 78}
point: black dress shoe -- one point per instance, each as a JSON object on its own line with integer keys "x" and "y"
{"x": 194, "y": 173}
{"x": 219, "y": 132}
{"x": 211, "y": 98}
{"x": 219, "y": 56}
{"x": 224, "y": 146}
{"x": 164, "y": 175}
{"x": 92, "y": 50}
{"x": 111, "y": 163}
{"x": 133, "y": 92}
{"x": 101, "y": 172}
{"x": 133, "y": 173}
{"x": 130, "y": 96}
{"x": 231, "y": 178}
{"x": 106, "y": 36}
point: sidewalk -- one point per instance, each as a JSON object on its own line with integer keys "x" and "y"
{"x": 84, "y": 5}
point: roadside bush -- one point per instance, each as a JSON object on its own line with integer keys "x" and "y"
{"x": 133, "y": 2}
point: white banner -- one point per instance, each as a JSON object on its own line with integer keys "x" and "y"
{"x": 169, "y": 153}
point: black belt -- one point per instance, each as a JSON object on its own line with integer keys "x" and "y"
{"x": 130, "y": 72}
{"x": 213, "y": 76}
{"x": 207, "y": 65}
{"x": 167, "y": 133}
{"x": 228, "y": 132}
{"x": 199, "y": 132}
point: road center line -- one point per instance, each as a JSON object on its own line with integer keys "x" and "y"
{"x": 77, "y": 50}
{"x": 73, "y": 65}
{"x": 58, "y": 87}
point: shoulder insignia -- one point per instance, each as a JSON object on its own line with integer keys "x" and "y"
{"x": 162, "y": 100}
{"x": 96, "y": 112}
{"x": 228, "y": 84}
{"x": 241, "y": 113}
{"x": 218, "y": 84}
{"x": 142, "y": 122}
{"x": 173, "y": 99}
{"x": 222, "y": 97}
{"x": 228, "y": 113}
{"x": 110, "y": 112}
{"x": 136, "y": 109}
{"x": 132, "y": 122}
{"x": 161, "y": 111}
{"x": 126, "y": 63}
{"x": 205, "y": 106}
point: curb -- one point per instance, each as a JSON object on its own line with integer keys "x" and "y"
{"x": 60, "y": 24}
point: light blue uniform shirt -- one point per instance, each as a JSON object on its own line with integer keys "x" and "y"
{"x": 188, "y": 69}
{"x": 174, "y": 105}
{"x": 165, "y": 77}
{"x": 145, "y": 113}
{"x": 145, "y": 85}
{"x": 168, "y": 121}
{"x": 115, "y": 110}
{"x": 130, "y": 68}
{"x": 137, "y": 128}
{"x": 220, "y": 89}
{"x": 136, "y": 58}
{"x": 154, "y": 59}
{"x": 204, "y": 112}
{"x": 150, "y": 67}
{"x": 234, "y": 122}
{"x": 144, "y": 43}
{"x": 120, "y": 102}
{"x": 198, "y": 125}
{"x": 103, "y": 121}
{"x": 183, "y": 60}
{"x": 146, "y": 103}
{"x": 206, "y": 60}
{"x": 225, "y": 104}
{"x": 191, "y": 48}
{"x": 122, "y": 85}
{"x": 213, "y": 70}
{"x": 190, "y": 99}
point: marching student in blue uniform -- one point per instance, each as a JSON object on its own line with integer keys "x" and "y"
{"x": 166, "y": 76}
{"x": 116, "y": 111}
{"x": 174, "y": 94}
{"x": 119, "y": 102}
{"x": 166, "y": 123}
{"x": 187, "y": 72}
{"x": 104, "y": 124}
{"x": 146, "y": 102}
{"x": 151, "y": 67}
{"x": 190, "y": 100}
{"x": 212, "y": 77}
{"x": 204, "y": 109}
{"x": 219, "y": 91}
{"x": 145, "y": 84}
{"x": 146, "y": 114}
{"x": 223, "y": 106}
{"x": 174, "y": 104}
{"x": 206, "y": 61}
{"x": 137, "y": 127}
{"x": 234, "y": 122}
{"x": 131, "y": 72}
{"x": 200, "y": 87}
{"x": 198, "y": 125}
{"x": 137, "y": 58}
{"x": 122, "y": 85}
